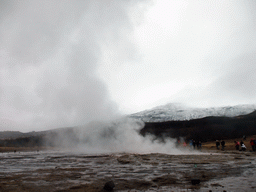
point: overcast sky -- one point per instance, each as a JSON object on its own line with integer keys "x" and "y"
{"x": 66, "y": 63}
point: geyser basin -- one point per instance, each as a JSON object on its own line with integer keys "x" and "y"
{"x": 55, "y": 170}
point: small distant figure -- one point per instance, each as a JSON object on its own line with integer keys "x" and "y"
{"x": 191, "y": 144}
{"x": 199, "y": 145}
{"x": 252, "y": 142}
{"x": 217, "y": 144}
{"x": 222, "y": 144}
{"x": 177, "y": 142}
{"x": 237, "y": 144}
{"x": 194, "y": 143}
{"x": 243, "y": 147}
{"x": 244, "y": 137}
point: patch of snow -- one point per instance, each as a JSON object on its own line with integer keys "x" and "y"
{"x": 175, "y": 112}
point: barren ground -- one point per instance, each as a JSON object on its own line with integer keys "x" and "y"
{"x": 53, "y": 170}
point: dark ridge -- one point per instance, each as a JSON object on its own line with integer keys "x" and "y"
{"x": 39, "y": 139}
{"x": 251, "y": 116}
{"x": 10, "y": 134}
{"x": 33, "y": 141}
{"x": 204, "y": 129}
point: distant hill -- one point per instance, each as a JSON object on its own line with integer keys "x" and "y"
{"x": 18, "y": 134}
{"x": 204, "y": 129}
{"x": 33, "y": 139}
{"x": 10, "y": 134}
{"x": 171, "y": 120}
{"x": 177, "y": 112}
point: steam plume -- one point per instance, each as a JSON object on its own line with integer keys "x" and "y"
{"x": 50, "y": 52}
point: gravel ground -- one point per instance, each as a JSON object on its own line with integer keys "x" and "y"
{"x": 65, "y": 171}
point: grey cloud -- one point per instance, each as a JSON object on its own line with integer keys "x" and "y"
{"x": 32, "y": 30}
{"x": 236, "y": 85}
{"x": 240, "y": 81}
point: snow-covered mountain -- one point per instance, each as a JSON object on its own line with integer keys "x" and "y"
{"x": 170, "y": 112}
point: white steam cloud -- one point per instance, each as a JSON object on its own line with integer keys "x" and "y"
{"x": 120, "y": 135}
{"x": 50, "y": 52}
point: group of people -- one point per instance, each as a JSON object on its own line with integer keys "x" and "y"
{"x": 192, "y": 143}
{"x": 198, "y": 144}
{"x": 195, "y": 144}
{"x": 237, "y": 145}
{"x": 243, "y": 147}
{"x": 222, "y": 143}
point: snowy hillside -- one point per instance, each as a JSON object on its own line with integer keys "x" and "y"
{"x": 172, "y": 111}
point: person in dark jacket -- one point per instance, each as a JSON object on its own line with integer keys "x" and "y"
{"x": 199, "y": 145}
{"x": 194, "y": 143}
{"x": 237, "y": 145}
{"x": 222, "y": 144}
{"x": 252, "y": 144}
{"x": 217, "y": 144}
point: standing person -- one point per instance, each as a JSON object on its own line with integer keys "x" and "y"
{"x": 199, "y": 144}
{"x": 217, "y": 144}
{"x": 177, "y": 142}
{"x": 222, "y": 144}
{"x": 236, "y": 145}
{"x": 194, "y": 143}
{"x": 252, "y": 144}
{"x": 243, "y": 147}
{"x": 191, "y": 144}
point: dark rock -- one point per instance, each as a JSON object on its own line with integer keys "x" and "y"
{"x": 195, "y": 181}
{"x": 109, "y": 186}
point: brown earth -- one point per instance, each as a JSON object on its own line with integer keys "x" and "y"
{"x": 22, "y": 149}
{"x": 55, "y": 171}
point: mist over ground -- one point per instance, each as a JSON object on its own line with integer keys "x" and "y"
{"x": 120, "y": 135}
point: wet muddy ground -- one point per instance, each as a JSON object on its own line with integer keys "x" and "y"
{"x": 63, "y": 171}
